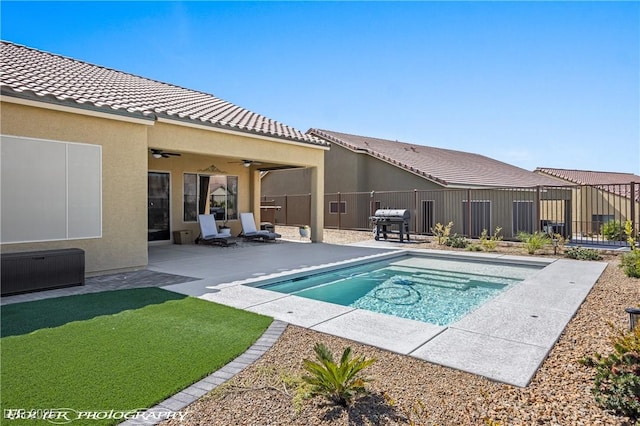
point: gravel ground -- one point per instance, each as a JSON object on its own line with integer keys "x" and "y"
{"x": 410, "y": 391}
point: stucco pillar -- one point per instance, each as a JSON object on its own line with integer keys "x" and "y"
{"x": 317, "y": 204}
{"x": 254, "y": 176}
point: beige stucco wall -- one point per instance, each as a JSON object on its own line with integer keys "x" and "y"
{"x": 199, "y": 164}
{"x": 347, "y": 171}
{"x": 124, "y": 181}
{"x": 202, "y": 147}
{"x": 126, "y": 161}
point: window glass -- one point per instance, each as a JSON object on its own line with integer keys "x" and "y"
{"x": 216, "y": 195}
{"x": 334, "y": 206}
{"x": 190, "y": 197}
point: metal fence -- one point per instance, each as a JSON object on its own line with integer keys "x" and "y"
{"x": 585, "y": 214}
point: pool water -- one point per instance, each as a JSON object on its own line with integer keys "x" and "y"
{"x": 433, "y": 290}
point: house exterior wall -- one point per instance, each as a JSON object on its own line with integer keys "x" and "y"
{"x": 202, "y": 147}
{"x": 124, "y": 181}
{"x": 346, "y": 172}
{"x": 381, "y": 176}
{"x": 126, "y": 162}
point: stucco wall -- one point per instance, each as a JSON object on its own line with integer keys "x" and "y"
{"x": 202, "y": 148}
{"x": 124, "y": 181}
{"x": 347, "y": 171}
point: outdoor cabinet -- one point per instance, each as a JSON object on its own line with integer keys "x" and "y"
{"x": 41, "y": 270}
{"x": 182, "y": 237}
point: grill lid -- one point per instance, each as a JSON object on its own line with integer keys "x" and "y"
{"x": 393, "y": 214}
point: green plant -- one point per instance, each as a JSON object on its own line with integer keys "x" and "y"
{"x": 456, "y": 241}
{"x": 613, "y": 230}
{"x": 580, "y": 253}
{"x": 534, "y": 242}
{"x": 617, "y": 381}
{"x": 442, "y": 232}
{"x": 474, "y": 247}
{"x": 630, "y": 262}
{"x": 490, "y": 242}
{"x": 339, "y": 383}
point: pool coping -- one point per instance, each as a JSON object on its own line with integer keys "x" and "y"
{"x": 506, "y": 339}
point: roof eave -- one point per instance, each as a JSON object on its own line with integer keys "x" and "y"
{"x": 208, "y": 125}
{"x": 71, "y": 103}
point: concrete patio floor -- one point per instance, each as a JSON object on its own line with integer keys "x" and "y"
{"x": 506, "y": 339}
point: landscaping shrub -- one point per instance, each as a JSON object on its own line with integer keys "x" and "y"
{"x": 339, "y": 383}
{"x": 613, "y": 230}
{"x": 456, "y": 241}
{"x": 442, "y": 232}
{"x": 617, "y": 382}
{"x": 534, "y": 242}
{"x": 630, "y": 262}
{"x": 490, "y": 242}
{"x": 580, "y": 253}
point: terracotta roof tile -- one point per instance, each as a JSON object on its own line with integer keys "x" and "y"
{"x": 587, "y": 177}
{"x": 444, "y": 166}
{"x": 613, "y": 182}
{"x": 33, "y": 74}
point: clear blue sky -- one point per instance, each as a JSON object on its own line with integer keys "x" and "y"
{"x": 529, "y": 83}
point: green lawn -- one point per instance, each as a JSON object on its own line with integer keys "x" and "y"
{"x": 119, "y": 350}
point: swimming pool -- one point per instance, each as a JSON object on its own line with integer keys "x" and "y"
{"x": 434, "y": 290}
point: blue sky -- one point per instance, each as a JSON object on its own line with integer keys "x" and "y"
{"x": 534, "y": 84}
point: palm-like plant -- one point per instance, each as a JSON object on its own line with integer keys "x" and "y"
{"x": 339, "y": 383}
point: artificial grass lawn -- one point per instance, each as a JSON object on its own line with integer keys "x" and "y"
{"x": 149, "y": 345}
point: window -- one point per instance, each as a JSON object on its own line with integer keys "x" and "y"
{"x": 190, "y": 197}
{"x": 205, "y": 194}
{"x": 522, "y": 217}
{"x": 480, "y": 217}
{"x": 50, "y": 190}
{"x": 428, "y": 220}
{"x": 334, "y": 206}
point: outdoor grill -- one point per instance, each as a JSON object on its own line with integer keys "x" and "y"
{"x": 385, "y": 219}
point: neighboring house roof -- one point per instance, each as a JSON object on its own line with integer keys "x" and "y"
{"x": 41, "y": 76}
{"x": 609, "y": 181}
{"x": 443, "y": 166}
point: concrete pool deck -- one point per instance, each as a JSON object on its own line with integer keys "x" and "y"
{"x": 506, "y": 339}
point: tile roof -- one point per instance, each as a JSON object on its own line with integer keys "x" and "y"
{"x": 613, "y": 182}
{"x": 587, "y": 177}
{"x": 444, "y": 166}
{"x": 33, "y": 74}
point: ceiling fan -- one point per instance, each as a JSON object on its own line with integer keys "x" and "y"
{"x": 158, "y": 153}
{"x": 246, "y": 163}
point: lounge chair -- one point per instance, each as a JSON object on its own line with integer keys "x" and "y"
{"x": 209, "y": 232}
{"x": 250, "y": 232}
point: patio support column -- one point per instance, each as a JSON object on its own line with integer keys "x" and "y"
{"x": 317, "y": 203}
{"x": 255, "y": 194}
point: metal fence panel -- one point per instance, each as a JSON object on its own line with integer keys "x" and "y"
{"x": 584, "y": 214}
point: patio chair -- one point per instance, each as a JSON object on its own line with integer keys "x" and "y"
{"x": 209, "y": 232}
{"x": 250, "y": 232}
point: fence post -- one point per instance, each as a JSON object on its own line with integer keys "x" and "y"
{"x": 634, "y": 224}
{"x": 339, "y": 210}
{"x": 415, "y": 211}
{"x": 538, "y": 207}
{"x": 468, "y": 218}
